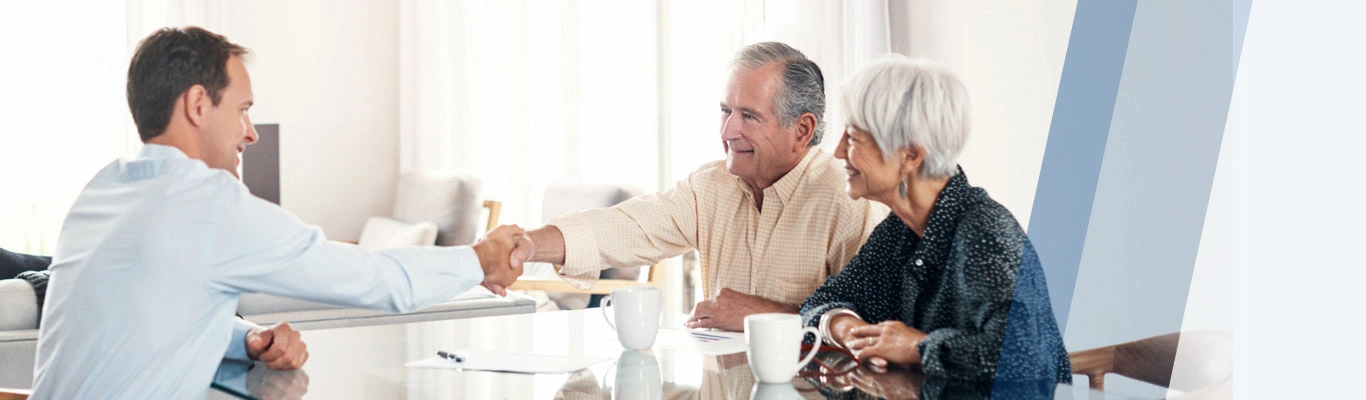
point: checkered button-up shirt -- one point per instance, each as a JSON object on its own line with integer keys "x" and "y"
{"x": 808, "y": 230}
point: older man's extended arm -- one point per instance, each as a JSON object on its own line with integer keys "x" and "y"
{"x": 640, "y": 231}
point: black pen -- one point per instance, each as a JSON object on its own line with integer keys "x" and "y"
{"x": 450, "y": 356}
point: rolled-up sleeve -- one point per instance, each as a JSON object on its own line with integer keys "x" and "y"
{"x": 640, "y": 231}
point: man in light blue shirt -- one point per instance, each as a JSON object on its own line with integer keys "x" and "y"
{"x": 156, "y": 249}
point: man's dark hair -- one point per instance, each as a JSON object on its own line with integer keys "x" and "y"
{"x": 168, "y": 63}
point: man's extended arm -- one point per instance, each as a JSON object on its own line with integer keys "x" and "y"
{"x": 262, "y": 248}
{"x": 639, "y": 231}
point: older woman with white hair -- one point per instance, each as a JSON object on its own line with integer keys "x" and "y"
{"x": 948, "y": 282}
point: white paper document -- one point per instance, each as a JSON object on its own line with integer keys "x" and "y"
{"x": 698, "y": 341}
{"x": 510, "y": 362}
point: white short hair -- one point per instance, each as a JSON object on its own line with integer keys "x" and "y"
{"x": 904, "y": 102}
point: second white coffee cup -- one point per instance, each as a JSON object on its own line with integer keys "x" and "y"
{"x": 636, "y": 310}
{"x": 775, "y": 343}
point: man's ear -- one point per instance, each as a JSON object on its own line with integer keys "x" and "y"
{"x": 196, "y": 105}
{"x": 806, "y": 129}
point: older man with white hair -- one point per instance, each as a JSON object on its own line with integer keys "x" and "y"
{"x": 771, "y": 221}
{"x": 949, "y": 281}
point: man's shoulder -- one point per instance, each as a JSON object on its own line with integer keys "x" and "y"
{"x": 174, "y": 169}
{"x": 826, "y": 170}
{"x": 712, "y": 180}
{"x": 169, "y": 181}
{"x": 826, "y": 180}
{"x": 712, "y": 171}
{"x": 195, "y": 174}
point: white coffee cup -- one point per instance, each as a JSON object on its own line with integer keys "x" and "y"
{"x": 775, "y": 342}
{"x": 637, "y": 315}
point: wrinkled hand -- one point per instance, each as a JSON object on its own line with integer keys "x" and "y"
{"x": 266, "y": 384}
{"x": 280, "y": 347}
{"x": 728, "y": 309}
{"x": 501, "y": 254}
{"x": 889, "y": 341}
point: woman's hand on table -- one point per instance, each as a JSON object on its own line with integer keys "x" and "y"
{"x": 888, "y": 341}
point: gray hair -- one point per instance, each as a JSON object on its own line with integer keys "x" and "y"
{"x": 803, "y": 89}
{"x": 903, "y": 102}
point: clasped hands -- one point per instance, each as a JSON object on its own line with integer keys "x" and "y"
{"x": 501, "y": 254}
{"x": 877, "y": 344}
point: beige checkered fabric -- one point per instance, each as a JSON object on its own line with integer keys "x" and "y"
{"x": 808, "y": 230}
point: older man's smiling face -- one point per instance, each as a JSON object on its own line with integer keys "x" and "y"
{"x": 758, "y": 149}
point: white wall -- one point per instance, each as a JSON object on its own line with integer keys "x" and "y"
{"x": 1010, "y": 56}
{"x": 327, "y": 72}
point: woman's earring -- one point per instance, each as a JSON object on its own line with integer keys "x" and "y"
{"x": 902, "y": 188}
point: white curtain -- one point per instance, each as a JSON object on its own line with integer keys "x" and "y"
{"x": 64, "y": 105}
{"x": 525, "y": 92}
{"x": 840, "y": 36}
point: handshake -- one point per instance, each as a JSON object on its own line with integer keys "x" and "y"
{"x": 502, "y": 253}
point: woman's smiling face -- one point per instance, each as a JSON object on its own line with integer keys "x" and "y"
{"x": 870, "y": 175}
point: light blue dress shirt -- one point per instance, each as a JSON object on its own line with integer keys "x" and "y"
{"x": 151, "y": 260}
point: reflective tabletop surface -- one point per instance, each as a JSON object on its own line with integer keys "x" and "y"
{"x": 368, "y": 363}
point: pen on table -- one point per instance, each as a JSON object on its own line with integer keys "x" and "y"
{"x": 708, "y": 336}
{"x": 450, "y": 356}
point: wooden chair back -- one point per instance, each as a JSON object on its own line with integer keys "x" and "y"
{"x": 1151, "y": 360}
{"x": 15, "y": 394}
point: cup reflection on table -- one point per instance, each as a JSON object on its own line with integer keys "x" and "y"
{"x": 775, "y": 391}
{"x": 637, "y": 376}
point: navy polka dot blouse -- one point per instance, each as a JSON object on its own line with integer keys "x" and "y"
{"x": 973, "y": 284}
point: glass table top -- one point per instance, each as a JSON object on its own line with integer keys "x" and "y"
{"x": 368, "y": 363}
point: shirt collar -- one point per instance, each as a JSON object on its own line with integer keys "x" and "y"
{"x": 150, "y": 150}
{"x": 786, "y": 186}
{"x": 952, "y": 202}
